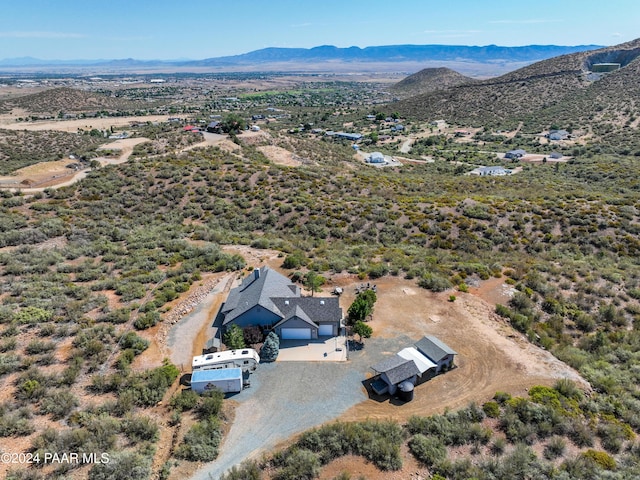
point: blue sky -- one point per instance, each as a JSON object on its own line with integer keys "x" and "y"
{"x": 162, "y": 29}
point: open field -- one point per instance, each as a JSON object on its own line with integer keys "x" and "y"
{"x": 9, "y": 122}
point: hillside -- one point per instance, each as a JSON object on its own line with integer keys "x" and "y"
{"x": 61, "y": 99}
{"x": 558, "y": 84}
{"x": 429, "y": 80}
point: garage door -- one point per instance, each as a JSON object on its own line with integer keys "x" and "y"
{"x": 296, "y": 333}
{"x": 325, "y": 330}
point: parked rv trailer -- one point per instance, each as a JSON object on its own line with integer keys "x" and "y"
{"x": 247, "y": 359}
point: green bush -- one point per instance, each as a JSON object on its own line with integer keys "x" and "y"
{"x": 491, "y": 409}
{"x": 122, "y": 466}
{"x": 200, "y": 443}
{"x": 427, "y": 450}
{"x": 184, "y": 400}
{"x": 299, "y": 464}
{"x": 247, "y": 470}
{"x": 602, "y": 459}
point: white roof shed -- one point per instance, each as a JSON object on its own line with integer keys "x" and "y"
{"x": 422, "y": 362}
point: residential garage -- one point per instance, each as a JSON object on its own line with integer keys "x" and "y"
{"x": 325, "y": 330}
{"x": 295, "y": 333}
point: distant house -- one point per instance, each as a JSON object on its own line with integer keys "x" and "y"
{"x": 371, "y": 117}
{"x": 398, "y": 128}
{"x": 515, "y": 154}
{"x": 376, "y": 157}
{"x": 214, "y": 127}
{"x": 255, "y": 128}
{"x": 269, "y": 300}
{"x": 490, "y": 171}
{"x": 558, "y": 135}
{"x": 353, "y": 137}
{"x": 436, "y": 351}
{"x": 555, "y": 155}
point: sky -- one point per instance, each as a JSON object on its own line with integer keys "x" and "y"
{"x": 176, "y": 29}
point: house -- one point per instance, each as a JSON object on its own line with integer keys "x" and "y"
{"x": 393, "y": 371}
{"x": 491, "y": 171}
{"x": 353, "y": 137}
{"x": 376, "y": 157}
{"x": 558, "y": 135}
{"x": 436, "y": 351}
{"x": 214, "y": 127}
{"x": 269, "y": 300}
{"x": 515, "y": 154}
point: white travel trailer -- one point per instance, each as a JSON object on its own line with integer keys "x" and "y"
{"x": 247, "y": 359}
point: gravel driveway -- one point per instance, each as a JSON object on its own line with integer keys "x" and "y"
{"x": 286, "y": 398}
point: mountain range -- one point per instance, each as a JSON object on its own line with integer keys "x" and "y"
{"x": 324, "y": 57}
{"x": 569, "y": 90}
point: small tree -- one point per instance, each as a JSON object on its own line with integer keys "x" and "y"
{"x": 270, "y": 348}
{"x": 232, "y": 123}
{"x": 362, "y": 306}
{"x": 313, "y": 281}
{"x": 234, "y": 337}
{"x": 362, "y": 330}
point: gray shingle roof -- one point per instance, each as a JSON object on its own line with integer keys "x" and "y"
{"x": 434, "y": 348}
{"x": 258, "y": 289}
{"x": 320, "y": 309}
{"x": 397, "y": 368}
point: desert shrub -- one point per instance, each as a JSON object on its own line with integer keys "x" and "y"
{"x": 9, "y": 363}
{"x": 210, "y": 404}
{"x": 434, "y": 282}
{"x": 299, "y": 464}
{"x": 498, "y": 446}
{"x": 247, "y": 470}
{"x": 122, "y": 466}
{"x": 554, "y": 448}
{"x": 132, "y": 341}
{"x": 140, "y": 429}
{"x": 59, "y": 404}
{"x": 16, "y": 423}
{"x": 23, "y": 474}
{"x": 270, "y": 348}
{"x": 491, "y": 409}
{"x": 580, "y": 434}
{"x": 602, "y": 459}
{"x": 148, "y": 320}
{"x": 378, "y": 442}
{"x": 200, "y": 443}
{"x": 184, "y": 400}
{"x": 427, "y": 449}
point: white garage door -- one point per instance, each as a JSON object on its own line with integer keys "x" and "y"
{"x": 296, "y": 333}
{"x": 325, "y": 330}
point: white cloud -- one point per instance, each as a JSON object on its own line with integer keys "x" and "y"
{"x": 616, "y": 34}
{"x": 528, "y": 21}
{"x": 40, "y": 35}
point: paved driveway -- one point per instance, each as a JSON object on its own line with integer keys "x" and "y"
{"x": 331, "y": 349}
{"x": 286, "y": 398}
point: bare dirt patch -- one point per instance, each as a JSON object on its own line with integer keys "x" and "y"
{"x": 9, "y": 122}
{"x": 280, "y": 156}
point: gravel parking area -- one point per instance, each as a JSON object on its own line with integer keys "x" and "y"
{"x": 286, "y": 398}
